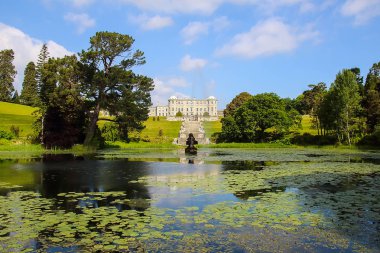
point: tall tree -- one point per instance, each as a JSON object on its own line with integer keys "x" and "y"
{"x": 64, "y": 111}
{"x": 236, "y": 102}
{"x": 43, "y": 58}
{"x": 359, "y": 79}
{"x": 109, "y": 83}
{"x": 346, "y": 99}
{"x": 29, "y": 94}
{"x": 372, "y": 97}
{"x": 7, "y": 74}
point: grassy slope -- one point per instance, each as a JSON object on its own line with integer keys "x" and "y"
{"x": 17, "y": 115}
{"x": 170, "y": 130}
{"x": 307, "y": 126}
{"x": 211, "y": 127}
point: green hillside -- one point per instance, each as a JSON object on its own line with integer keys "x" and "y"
{"x": 212, "y": 127}
{"x": 17, "y": 115}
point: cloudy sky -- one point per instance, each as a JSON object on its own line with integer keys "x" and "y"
{"x": 199, "y": 48}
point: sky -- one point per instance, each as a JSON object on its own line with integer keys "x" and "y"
{"x": 202, "y": 48}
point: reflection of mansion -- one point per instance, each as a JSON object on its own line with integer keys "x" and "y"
{"x": 187, "y": 108}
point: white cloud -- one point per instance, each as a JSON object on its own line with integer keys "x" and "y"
{"x": 164, "y": 88}
{"x": 210, "y": 6}
{"x": 194, "y": 30}
{"x": 362, "y": 10}
{"x": 188, "y": 63}
{"x": 151, "y": 23}
{"x": 82, "y": 21}
{"x": 26, "y": 49}
{"x": 267, "y": 38}
{"x": 170, "y": 6}
{"x": 81, "y": 3}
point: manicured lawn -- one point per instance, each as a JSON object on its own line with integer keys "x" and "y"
{"x": 170, "y": 130}
{"x": 212, "y": 127}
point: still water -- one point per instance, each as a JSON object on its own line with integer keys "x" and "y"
{"x": 266, "y": 200}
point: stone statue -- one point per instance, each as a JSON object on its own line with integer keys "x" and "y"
{"x": 190, "y": 142}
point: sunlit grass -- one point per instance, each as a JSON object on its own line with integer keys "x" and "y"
{"x": 212, "y": 127}
{"x": 18, "y": 116}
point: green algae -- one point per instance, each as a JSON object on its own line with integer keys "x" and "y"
{"x": 285, "y": 206}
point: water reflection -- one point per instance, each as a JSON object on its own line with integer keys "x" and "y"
{"x": 236, "y": 190}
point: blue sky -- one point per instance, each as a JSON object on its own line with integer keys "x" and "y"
{"x": 199, "y": 48}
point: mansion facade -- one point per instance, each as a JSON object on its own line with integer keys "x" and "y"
{"x": 186, "y": 108}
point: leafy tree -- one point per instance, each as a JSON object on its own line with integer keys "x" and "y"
{"x": 179, "y": 114}
{"x": 230, "y": 130}
{"x": 260, "y": 113}
{"x": 109, "y": 84}
{"x": 236, "y": 102}
{"x": 372, "y": 97}
{"x": 64, "y": 108}
{"x": 7, "y": 75}
{"x": 359, "y": 79}
{"x": 29, "y": 94}
{"x": 345, "y": 99}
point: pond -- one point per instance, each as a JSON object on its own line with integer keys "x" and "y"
{"x": 234, "y": 200}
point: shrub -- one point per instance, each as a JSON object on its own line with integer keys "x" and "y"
{"x": 6, "y": 135}
{"x": 308, "y": 139}
{"x": 15, "y": 130}
{"x": 372, "y": 139}
{"x": 160, "y": 132}
{"x": 110, "y": 132}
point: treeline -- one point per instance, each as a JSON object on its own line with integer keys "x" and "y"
{"x": 348, "y": 112}
{"x": 71, "y": 92}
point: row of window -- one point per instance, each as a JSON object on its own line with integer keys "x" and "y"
{"x": 195, "y": 109}
{"x": 192, "y": 102}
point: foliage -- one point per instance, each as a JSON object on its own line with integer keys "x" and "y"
{"x": 236, "y": 102}
{"x": 372, "y": 139}
{"x": 7, "y": 74}
{"x": 341, "y": 108}
{"x": 15, "y": 130}
{"x": 6, "y": 135}
{"x": 29, "y": 94}
{"x": 179, "y": 114}
{"x": 43, "y": 58}
{"x": 109, "y": 84}
{"x": 110, "y": 131}
{"x": 63, "y": 107}
{"x": 372, "y": 97}
{"x": 259, "y": 114}
{"x": 311, "y": 101}
{"x": 309, "y": 139}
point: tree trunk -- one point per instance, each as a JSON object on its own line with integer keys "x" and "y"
{"x": 92, "y": 126}
{"x": 348, "y": 130}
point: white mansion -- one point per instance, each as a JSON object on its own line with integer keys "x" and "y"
{"x": 188, "y": 108}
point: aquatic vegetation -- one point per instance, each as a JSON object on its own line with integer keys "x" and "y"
{"x": 263, "y": 201}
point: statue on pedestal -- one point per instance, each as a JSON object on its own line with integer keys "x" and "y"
{"x": 190, "y": 142}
